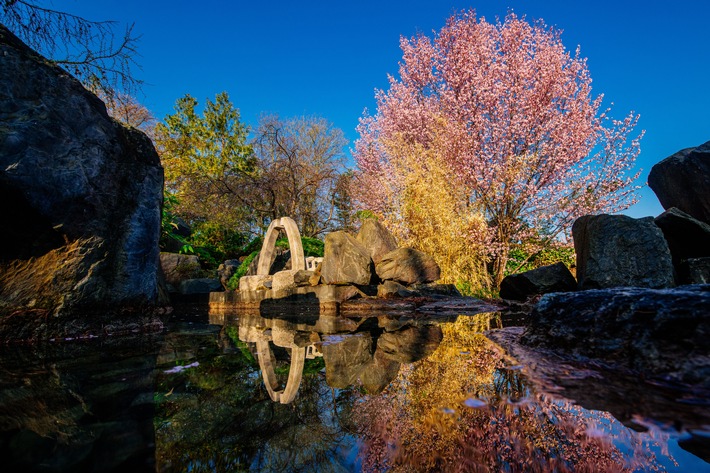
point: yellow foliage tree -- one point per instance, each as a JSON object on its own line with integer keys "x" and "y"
{"x": 433, "y": 215}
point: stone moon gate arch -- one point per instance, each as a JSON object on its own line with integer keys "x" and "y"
{"x": 268, "y": 248}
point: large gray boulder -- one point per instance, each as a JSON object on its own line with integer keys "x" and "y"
{"x": 616, "y": 250}
{"x": 682, "y": 180}
{"x": 376, "y": 238}
{"x": 657, "y": 332}
{"x": 408, "y": 266}
{"x": 345, "y": 260}
{"x": 80, "y": 194}
{"x": 543, "y": 280}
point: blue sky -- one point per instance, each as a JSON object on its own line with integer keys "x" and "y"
{"x": 326, "y": 58}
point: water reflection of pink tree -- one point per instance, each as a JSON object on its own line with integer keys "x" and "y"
{"x": 447, "y": 413}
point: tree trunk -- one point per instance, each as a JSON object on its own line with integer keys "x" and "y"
{"x": 499, "y": 264}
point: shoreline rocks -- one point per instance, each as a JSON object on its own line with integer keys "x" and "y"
{"x": 655, "y": 332}
{"x": 80, "y": 193}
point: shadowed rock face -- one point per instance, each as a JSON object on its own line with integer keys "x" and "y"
{"x": 377, "y": 239}
{"x": 689, "y": 242}
{"x": 408, "y": 266}
{"x": 682, "y": 180}
{"x": 545, "y": 279}
{"x": 345, "y": 260}
{"x": 616, "y": 250}
{"x": 76, "y": 186}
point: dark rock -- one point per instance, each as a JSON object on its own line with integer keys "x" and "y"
{"x": 543, "y": 280}
{"x": 682, "y": 180}
{"x": 226, "y": 270}
{"x": 177, "y": 267}
{"x": 408, "y": 266}
{"x": 436, "y": 290}
{"x": 345, "y": 261}
{"x": 390, "y": 289}
{"x": 616, "y": 250}
{"x": 687, "y": 237}
{"x": 656, "y": 332}
{"x": 376, "y": 238}
{"x": 411, "y": 343}
{"x": 695, "y": 271}
{"x": 74, "y": 184}
{"x": 200, "y": 286}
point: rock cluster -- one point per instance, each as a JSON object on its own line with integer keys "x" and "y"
{"x": 80, "y": 195}
{"x": 644, "y": 302}
{"x": 370, "y": 262}
{"x": 618, "y": 251}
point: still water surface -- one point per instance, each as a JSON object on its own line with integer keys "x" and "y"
{"x": 381, "y": 393}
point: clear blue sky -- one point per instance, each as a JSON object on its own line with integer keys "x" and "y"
{"x": 327, "y": 58}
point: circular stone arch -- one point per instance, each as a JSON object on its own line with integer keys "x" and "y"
{"x": 268, "y": 248}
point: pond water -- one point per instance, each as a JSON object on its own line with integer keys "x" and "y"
{"x": 380, "y": 393}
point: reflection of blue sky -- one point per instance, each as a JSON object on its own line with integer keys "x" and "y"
{"x": 640, "y": 449}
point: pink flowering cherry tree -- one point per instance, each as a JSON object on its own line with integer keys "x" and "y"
{"x": 510, "y": 114}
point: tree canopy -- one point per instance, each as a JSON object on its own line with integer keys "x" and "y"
{"x": 508, "y": 113}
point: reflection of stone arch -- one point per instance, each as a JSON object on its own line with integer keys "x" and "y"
{"x": 295, "y": 372}
{"x": 298, "y": 261}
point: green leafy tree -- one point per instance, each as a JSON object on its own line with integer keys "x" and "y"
{"x": 207, "y": 160}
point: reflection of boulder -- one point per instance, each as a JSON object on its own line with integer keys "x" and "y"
{"x": 379, "y": 373}
{"x": 408, "y": 266}
{"x": 410, "y": 344}
{"x": 346, "y": 356}
{"x": 616, "y": 250}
